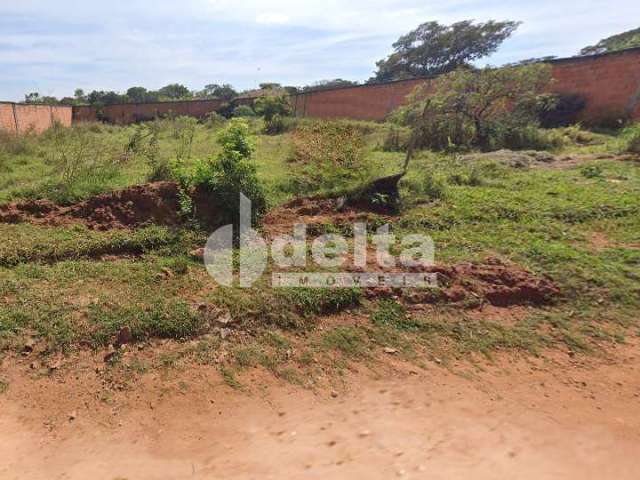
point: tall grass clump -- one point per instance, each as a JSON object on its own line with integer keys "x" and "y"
{"x": 631, "y": 139}
{"x": 328, "y": 156}
{"x": 82, "y": 160}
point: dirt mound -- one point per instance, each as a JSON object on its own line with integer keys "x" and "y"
{"x": 139, "y": 205}
{"x": 492, "y": 281}
{"x": 319, "y": 214}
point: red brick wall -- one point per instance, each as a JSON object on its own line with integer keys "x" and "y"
{"x": 85, "y": 113}
{"x": 7, "y": 120}
{"x": 32, "y": 117}
{"x": 128, "y": 113}
{"x": 609, "y": 83}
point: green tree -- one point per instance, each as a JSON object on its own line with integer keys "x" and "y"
{"x": 35, "y": 97}
{"x": 175, "y": 91}
{"x": 620, "y": 41}
{"x": 141, "y": 95}
{"x": 101, "y": 98}
{"x": 269, "y": 106}
{"x": 79, "y": 95}
{"x": 327, "y": 84}
{"x": 433, "y": 48}
{"x": 476, "y": 108}
{"x": 225, "y": 92}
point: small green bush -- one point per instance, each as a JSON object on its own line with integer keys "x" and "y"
{"x": 213, "y": 120}
{"x": 269, "y": 106}
{"x": 631, "y": 136}
{"x": 434, "y": 187}
{"x": 220, "y": 180}
{"x": 243, "y": 111}
{"x": 275, "y": 126}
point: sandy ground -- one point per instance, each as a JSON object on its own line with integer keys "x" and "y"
{"x": 570, "y": 417}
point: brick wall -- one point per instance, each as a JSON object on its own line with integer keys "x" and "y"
{"x": 610, "y": 84}
{"x": 128, "y": 113}
{"x": 38, "y": 118}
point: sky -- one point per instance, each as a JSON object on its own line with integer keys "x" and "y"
{"x": 55, "y": 46}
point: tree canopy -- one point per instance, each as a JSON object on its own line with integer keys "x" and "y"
{"x": 328, "y": 84}
{"x": 620, "y": 41}
{"x": 433, "y": 48}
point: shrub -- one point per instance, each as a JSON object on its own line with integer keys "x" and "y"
{"x": 243, "y": 111}
{"x": 184, "y": 131}
{"x": 631, "y": 136}
{"x": 433, "y": 187}
{"x": 213, "y": 120}
{"x": 275, "y": 126}
{"x": 269, "y": 106}
{"x": 488, "y": 108}
{"x": 328, "y": 156}
{"x": 396, "y": 139}
{"x": 218, "y": 182}
{"x": 78, "y": 153}
{"x": 559, "y": 110}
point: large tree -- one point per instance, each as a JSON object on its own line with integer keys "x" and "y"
{"x": 620, "y": 41}
{"x": 175, "y": 91}
{"x": 433, "y": 48}
{"x": 328, "y": 84}
{"x": 225, "y": 92}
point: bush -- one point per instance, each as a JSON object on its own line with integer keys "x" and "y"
{"x": 184, "y": 131}
{"x": 631, "y": 136}
{"x": 213, "y": 120}
{"x": 269, "y": 106}
{"x": 489, "y": 108}
{"x": 433, "y": 187}
{"x": 559, "y": 110}
{"x": 275, "y": 126}
{"x": 396, "y": 139}
{"x": 328, "y": 156}
{"x": 243, "y": 111}
{"x": 218, "y": 182}
{"x": 79, "y": 153}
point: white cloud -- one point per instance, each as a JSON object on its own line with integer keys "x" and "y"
{"x": 113, "y": 45}
{"x": 272, "y": 18}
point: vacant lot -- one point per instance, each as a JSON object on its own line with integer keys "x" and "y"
{"x": 538, "y": 255}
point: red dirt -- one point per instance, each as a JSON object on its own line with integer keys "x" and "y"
{"x": 494, "y": 282}
{"x": 139, "y": 205}
{"x": 315, "y": 213}
{"x": 560, "y": 417}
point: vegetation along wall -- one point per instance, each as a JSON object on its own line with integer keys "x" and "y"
{"x": 610, "y": 84}
{"x": 124, "y": 114}
{"x": 22, "y": 118}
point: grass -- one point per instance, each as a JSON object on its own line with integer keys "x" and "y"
{"x": 55, "y": 286}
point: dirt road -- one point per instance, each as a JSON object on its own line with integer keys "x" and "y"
{"x": 573, "y": 418}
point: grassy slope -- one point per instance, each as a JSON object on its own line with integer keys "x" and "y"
{"x": 52, "y": 285}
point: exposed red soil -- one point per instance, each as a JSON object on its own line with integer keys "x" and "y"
{"x": 493, "y": 281}
{"x": 316, "y": 213}
{"x": 136, "y": 206}
{"x": 557, "y": 417}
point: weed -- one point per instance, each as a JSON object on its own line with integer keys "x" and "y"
{"x": 229, "y": 378}
{"x": 347, "y": 340}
